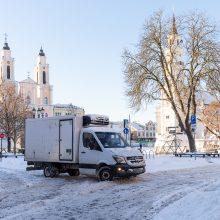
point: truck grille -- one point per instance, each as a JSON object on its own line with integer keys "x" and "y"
{"x": 135, "y": 159}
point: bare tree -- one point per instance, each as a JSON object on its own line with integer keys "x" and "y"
{"x": 213, "y": 81}
{"x": 173, "y": 62}
{"x": 211, "y": 118}
{"x": 13, "y": 112}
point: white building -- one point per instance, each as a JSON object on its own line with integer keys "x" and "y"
{"x": 63, "y": 109}
{"x": 150, "y": 130}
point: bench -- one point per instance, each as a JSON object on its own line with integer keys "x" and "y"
{"x": 197, "y": 154}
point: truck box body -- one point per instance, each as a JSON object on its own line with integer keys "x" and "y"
{"x": 79, "y": 145}
{"x": 54, "y": 139}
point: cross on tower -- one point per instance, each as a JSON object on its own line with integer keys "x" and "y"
{"x": 5, "y": 37}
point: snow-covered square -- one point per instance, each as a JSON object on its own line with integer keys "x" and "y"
{"x": 172, "y": 188}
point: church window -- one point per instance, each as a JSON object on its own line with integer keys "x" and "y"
{"x": 45, "y": 100}
{"x": 8, "y": 72}
{"x": 44, "y": 77}
{"x": 167, "y": 117}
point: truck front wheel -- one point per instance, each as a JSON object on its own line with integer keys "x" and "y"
{"x": 105, "y": 174}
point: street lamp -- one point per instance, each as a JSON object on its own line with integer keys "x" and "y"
{"x": 34, "y": 112}
{"x": 38, "y": 112}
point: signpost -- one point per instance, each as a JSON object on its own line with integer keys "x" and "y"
{"x": 193, "y": 126}
{"x": 193, "y": 120}
{"x": 1, "y": 136}
{"x": 126, "y": 131}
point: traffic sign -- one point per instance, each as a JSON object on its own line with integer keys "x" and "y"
{"x": 126, "y": 130}
{"x": 125, "y": 123}
{"x": 2, "y": 135}
{"x": 193, "y": 119}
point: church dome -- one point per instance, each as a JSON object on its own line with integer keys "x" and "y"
{"x": 6, "y": 47}
{"x": 41, "y": 53}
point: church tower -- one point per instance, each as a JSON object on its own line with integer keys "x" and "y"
{"x": 165, "y": 115}
{"x": 7, "y": 66}
{"x": 44, "y": 90}
{"x": 174, "y": 51}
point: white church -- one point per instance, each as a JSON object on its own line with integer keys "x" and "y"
{"x": 167, "y": 125}
{"x": 37, "y": 92}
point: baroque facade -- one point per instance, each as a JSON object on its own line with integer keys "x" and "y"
{"x": 37, "y": 92}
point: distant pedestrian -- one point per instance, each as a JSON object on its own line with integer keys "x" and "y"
{"x": 141, "y": 148}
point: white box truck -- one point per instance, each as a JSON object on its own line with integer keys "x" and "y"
{"x": 80, "y": 145}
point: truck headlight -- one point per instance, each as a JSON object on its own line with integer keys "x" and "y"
{"x": 119, "y": 159}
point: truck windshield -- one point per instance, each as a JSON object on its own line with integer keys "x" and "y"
{"x": 111, "y": 139}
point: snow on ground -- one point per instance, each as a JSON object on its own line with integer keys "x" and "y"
{"x": 172, "y": 188}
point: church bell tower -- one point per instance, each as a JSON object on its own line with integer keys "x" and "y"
{"x": 7, "y": 64}
{"x": 44, "y": 90}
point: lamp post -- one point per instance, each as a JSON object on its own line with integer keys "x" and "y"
{"x": 34, "y": 112}
{"x": 38, "y": 112}
{"x": 42, "y": 112}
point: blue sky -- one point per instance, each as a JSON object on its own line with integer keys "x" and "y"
{"x": 83, "y": 41}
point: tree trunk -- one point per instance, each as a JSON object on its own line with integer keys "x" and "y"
{"x": 191, "y": 140}
{"x": 15, "y": 144}
{"x": 9, "y": 144}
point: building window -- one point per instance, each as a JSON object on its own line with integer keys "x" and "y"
{"x": 44, "y": 77}
{"x": 37, "y": 77}
{"x": 167, "y": 117}
{"x": 45, "y": 101}
{"x": 8, "y": 72}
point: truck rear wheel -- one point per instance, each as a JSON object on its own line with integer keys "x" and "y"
{"x": 51, "y": 171}
{"x": 105, "y": 174}
{"x": 47, "y": 171}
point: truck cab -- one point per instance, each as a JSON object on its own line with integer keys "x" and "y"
{"x": 104, "y": 153}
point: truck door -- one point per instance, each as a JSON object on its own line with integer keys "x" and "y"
{"x": 89, "y": 154}
{"x": 66, "y": 139}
